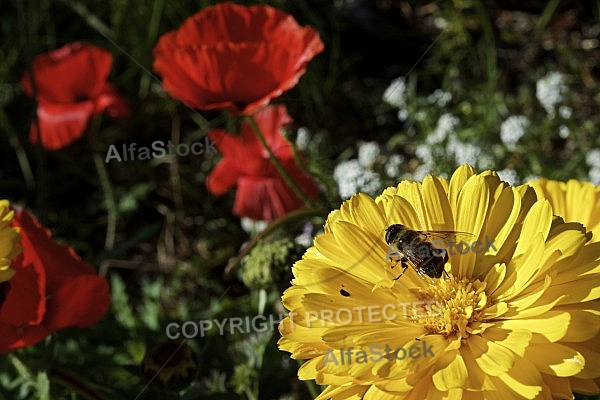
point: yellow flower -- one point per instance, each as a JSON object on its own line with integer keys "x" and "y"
{"x": 574, "y": 201}
{"x": 9, "y": 237}
{"x": 517, "y": 320}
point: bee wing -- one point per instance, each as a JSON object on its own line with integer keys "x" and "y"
{"x": 445, "y": 235}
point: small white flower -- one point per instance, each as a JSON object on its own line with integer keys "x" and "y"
{"x": 304, "y": 239}
{"x": 422, "y": 171}
{"x": 592, "y": 158}
{"x": 530, "y": 178}
{"x": 351, "y": 178}
{"x": 421, "y": 115}
{"x": 439, "y": 97}
{"x": 594, "y": 175}
{"x": 440, "y": 23}
{"x": 253, "y": 226}
{"x": 565, "y": 112}
{"x": 392, "y": 167}
{"x": 302, "y": 138}
{"x": 452, "y": 144}
{"x": 466, "y": 153}
{"x": 395, "y": 94}
{"x": 512, "y": 129}
{"x": 564, "y": 131}
{"x": 424, "y": 153}
{"x": 370, "y": 183}
{"x": 509, "y": 175}
{"x": 403, "y": 114}
{"x": 445, "y": 124}
{"x": 485, "y": 162}
{"x": 368, "y": 153}
{"x": 550, "y": 91}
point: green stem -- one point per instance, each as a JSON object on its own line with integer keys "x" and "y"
{"x": 72, "y": 382}
{"x": 284, "y": 174}
{"x": 14, "y": 142}
{"x": 174, "y": 169}
{"x": 111, "y": 209}
{"x": 40, "y": 152}
{"x": 546, "y": 16}
{"x": 291, "y": 217}
{"x": 298, "y": 160}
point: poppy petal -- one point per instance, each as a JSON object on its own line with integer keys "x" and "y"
{"x": 264, "y": 198}
{"x": 70, "y": 73}
{"x": 111, "y": 101}
{"x": 25, "y": 303}
{"x": 81, "y": 301}
{"x": 16, "y": 337}
{"x": 223, "y": 177}
{"x": 234, "y": 57}
{"x": 52, "y": 289}
{"x": 60, "y": 262}
{"x": 61, "y": 124}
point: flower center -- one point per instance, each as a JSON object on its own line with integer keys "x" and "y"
{"x": 455, "y": 304}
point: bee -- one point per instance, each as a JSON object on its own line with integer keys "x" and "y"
{"x": 424, "y": 251}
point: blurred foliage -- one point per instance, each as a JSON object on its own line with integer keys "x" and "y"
{"x": 173, "y": 239}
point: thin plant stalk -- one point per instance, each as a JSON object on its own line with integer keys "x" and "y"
{"x": 14, "y": 142}
{"x": 112, "y": 212}
{"x": 70, "y": 381}
{"x": 282, "y": 172}
{"x": 40, "y": 151}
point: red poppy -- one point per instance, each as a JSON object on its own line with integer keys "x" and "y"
{"x": 51, "y": 289}
{"x": 71, "y": 87}
{"x": 234, "y": 57}
{"x": 261, "y": 192}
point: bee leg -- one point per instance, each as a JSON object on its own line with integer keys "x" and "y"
{"x": 403, "y": 271}
{"x": 445, "y": 261}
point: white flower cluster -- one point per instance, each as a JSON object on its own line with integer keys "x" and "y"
{"x": 392, "y": 167}
{"x": 444, "y": 128}
{"x": 368, "y": 153}
{"x": 439, "y": 98}
{"x": 513, "y": 129}
{"x": 550, "y": 90}
{"x": 445, "y": 125}
{"x": 352, "y": 178}
{"x": 464, "y": 153}
{"x": 592, "y": 159}
{"x": 302, "y": 138}
{"x": 395, "y": 95}
{"x": 422, "y": 171}
{"x": 253, "y": 226}
{"x": 355, "y": 175}
{"x": 509, "y": 175}
{"x": 424, "y": 153}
